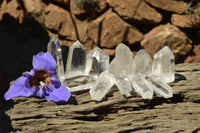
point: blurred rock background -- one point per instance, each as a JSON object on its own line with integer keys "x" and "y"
{"x": 27, "y": 25}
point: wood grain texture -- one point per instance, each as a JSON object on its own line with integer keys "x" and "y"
{"x": 116, "y": 113}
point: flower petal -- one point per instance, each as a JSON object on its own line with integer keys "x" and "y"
{"x": 52, "y": 73}
{"x": 58, "y": 94}
{"x": 56, "y": 83}
{"x": 19, "y": 88}
{"x": 39, "y": 92}
{"x": 44, "y": 61}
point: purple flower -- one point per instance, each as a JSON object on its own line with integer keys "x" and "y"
{"x": 40, "y": 81}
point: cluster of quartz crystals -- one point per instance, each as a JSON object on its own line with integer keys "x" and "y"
{"x": 140, "y": 73}
{"x": 93, "y": 71}
{"x": 82, "y": 69}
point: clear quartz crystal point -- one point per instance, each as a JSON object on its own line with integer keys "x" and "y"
{"x": 159, "y": 86}
{"x": 163, "y": 65}
{"x": 142, "y": 63}
{"x": 54, "y": 48}
{"x": 76, "y": 61}
{"x": 123, "y": 61}
{"x": 141, "y": 86}
{"x": 98, "y": 60}
{"x": 102, "y": 86}
{"x": 79, "y": 83}
{"x": 123, "y": 84}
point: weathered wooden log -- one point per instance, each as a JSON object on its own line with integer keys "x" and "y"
{"x": 116, "y": 113}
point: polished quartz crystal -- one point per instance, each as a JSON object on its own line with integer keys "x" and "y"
{"x": 102, "y": 86}
{"x": 142, "y": 63}
{"x": 159, "y": 86}
{"x": 97, "y": 60}
{"x": 76, "y": 60}
{"x": 123, "y": 84}
{"x": 141, "y": 86}
{"x": 163, "y": 65}
{"x": 93, "y": 71}
{"x": 123, "y": 61}
{"x": 122, "y": 66}
{"x": 79, "y": 83}
{"x": 54, "y": 48}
